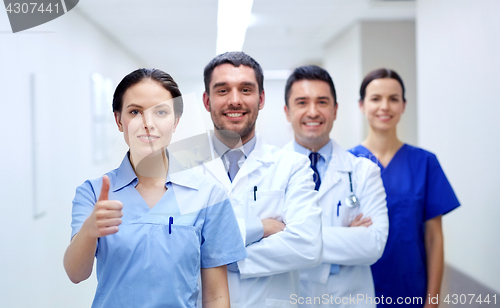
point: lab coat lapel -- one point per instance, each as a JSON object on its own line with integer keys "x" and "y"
{"x": 214, "y": 166}
{"x": 217, "y": 170}
{"x": 339, "y": 164}
{"x": 332, "y": 177}
{"x": 289, "y": 146}
{"x": 241, "y": 179}
{"x": 254, "y": 161}
{"x": 329, "y": 181}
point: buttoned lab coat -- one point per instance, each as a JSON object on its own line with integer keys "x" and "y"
{"x": 269, "y": 276}
{"x": 354, "y": 248}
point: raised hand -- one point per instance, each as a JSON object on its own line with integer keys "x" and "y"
{"x": 104, "y": 220}
{"x": 106, "y": 216}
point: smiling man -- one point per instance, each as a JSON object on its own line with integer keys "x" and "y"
{"x": 234, "y": 98}
{"x": 350, "y": 192}
{"x": 271, "y": 190}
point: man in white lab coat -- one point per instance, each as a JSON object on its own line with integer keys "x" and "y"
{"x": 271, "y": 190}
{"x": 350, "y": 192}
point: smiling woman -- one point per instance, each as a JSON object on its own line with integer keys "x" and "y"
{"x": 134, "y": 220}
{"x": 418, "y": 195}
{"x": 147, "y": 120}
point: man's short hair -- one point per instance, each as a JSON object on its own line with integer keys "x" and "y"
{"x": 309, "y": 72}
{"x": 235, "y": 58}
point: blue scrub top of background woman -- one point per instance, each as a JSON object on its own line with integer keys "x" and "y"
{"x": 417, "y": 190}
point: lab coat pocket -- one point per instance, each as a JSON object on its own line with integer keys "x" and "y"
{"x": 343, "y": 215}
{"x": 266, "y": 204}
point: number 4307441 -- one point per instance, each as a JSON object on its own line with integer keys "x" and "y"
{"x": 469, "y": 299}
{"x": 30, "y": 8}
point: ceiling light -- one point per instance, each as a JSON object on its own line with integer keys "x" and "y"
{"x": 233, "y": 18}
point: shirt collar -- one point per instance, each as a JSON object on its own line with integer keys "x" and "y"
{"x": 125, "y": 175}
{"x": 221, "y": 148}
{"x": 325, "y": 152}
{"x": 186, "y": 177}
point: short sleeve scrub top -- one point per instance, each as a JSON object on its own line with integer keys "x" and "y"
{"x": 154, "y": 259}
{"x": 417, "y": 190}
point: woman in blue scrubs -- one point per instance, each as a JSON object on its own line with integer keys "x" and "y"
{"x": 418, "y": 194}
{"x": 152, "y": 231}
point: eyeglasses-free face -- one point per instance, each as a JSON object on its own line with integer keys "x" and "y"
{"x": 234, "y": 100}
{"x": 147, "y": 119}
{"x": 383, "y": 104}
{"x": 311, "y": 110}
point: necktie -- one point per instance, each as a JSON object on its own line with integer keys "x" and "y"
{"x": 233, "y": 156}
{"x": 314, "y": 158}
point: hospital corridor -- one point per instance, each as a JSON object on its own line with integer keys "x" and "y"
{"x": 67, "y": 84}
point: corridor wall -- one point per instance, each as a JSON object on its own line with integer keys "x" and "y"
{"x": 47, "y": 117}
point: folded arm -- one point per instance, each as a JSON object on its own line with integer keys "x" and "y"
{"x": 299, "y": 245}
{"x": 361, "y": 245}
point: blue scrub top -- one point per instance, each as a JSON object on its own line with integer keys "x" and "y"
{"x": 417, "y": 190}
{"x": 154, "y": 259}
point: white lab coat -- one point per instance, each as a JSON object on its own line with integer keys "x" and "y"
{"x": 269, "y": 276}
{"x": 354, "y": 248}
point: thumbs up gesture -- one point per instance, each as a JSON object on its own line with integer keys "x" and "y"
{"x": 106, "y": 216}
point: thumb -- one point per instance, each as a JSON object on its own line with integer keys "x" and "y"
{"x": 105, "y": 189}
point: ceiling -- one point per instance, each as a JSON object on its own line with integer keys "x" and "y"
{"x": 180, "y": 36}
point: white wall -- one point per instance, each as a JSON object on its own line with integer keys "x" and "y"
{"x": 458, "y": 44}
{"x": 392, "y": 45}
{"x": 343, "y": 61}
{"x": 271, "y": 123}
{"x": 195, "y": 119}
{"x": 361, "y": 48}
{"x": 62, "y": 55}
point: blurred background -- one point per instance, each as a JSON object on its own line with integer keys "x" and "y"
{"x": 57, "y": 81}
